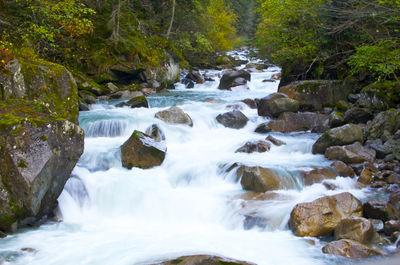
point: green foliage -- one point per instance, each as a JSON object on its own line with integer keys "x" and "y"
{"x": 381, "y": 60}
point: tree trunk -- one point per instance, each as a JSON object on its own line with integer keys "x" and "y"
{"x": 172, "y": 18}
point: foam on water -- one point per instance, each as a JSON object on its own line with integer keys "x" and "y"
{"x": 190, "y": 204}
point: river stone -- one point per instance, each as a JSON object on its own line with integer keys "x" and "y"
{"x": 301, "y": 121}
{"x": 375, "y": 210}
{"x": 137, "y": 102}
{"x": 358, "y": 115}
{"x": 320, "y": 217}
{"x": 275, "y": 141}
{"x": 142, "y": 151}
{"x": 156, "y": 133}
{"x": 87, "y": 97}
{"x": 315, "y": 94}
{"x": 275, "y": 104}
{"x": 254, "y": 146}
{"x": 350, "y": 249}
{"x": 204, "y": 260}
{"x": 34, "y": 169}
{"x": 346, "y": 134}
{"x": 174, "y": 115}
{"x": 262, "y": 128}
{"x": 318, "y": 175}
{"x": 250, "y": 102}
{"x": 388, "y": 121}
{"x": 365, "y": 176}
{"x": 233, "y": 119}
{"x": 124, "y": 94}
{"x": 358, "y": 229}
{"x": 336, "y": 119}
{"x": 342, "y": 169}
{"x": 393, "y": 206}
{"x": 353, "y": 153}
{"x": 261, "y": 179}
{"x": 231, "y": 79}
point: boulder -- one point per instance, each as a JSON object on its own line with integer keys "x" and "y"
{"x": 346, "y": 134}
{"x": 125, "y": 94}
{"x": 393, "y": 178}
{"x": 203, "y": 260}
{"x": 254, "y": 146}
{"x": 365, "y": 176}
{"x": 87, "y": 97}
{"x": 375, "y": 210}
{"x": 391, "y": 226}
{"x": 388, "y": 121}
{"x": 354, "y": 153}
{"x": 233, "y": 119}
{"x": 195, "y": 76}
{"x": 393, "y": 206}
{"x": 250, "y": 102}
{"x": 318, "y": 175}
{"x": 321, "y": 217}
{"x": 174, "y": 115}
{"x": 336, "y": 119}
{"x": 315, "y": 94}
{"x": 382, "y": 150}
{"x": 35, "y": 165}
{"x": 156, "y": 133}
{"x": 301, "y": 121}
{"x": 262, "y": 128}
{"x": 137, "y": 102}
{"x": 342, "y": 169}
{"x": 358, "y": 115}
{"x": 234, "y": 78}
{"x": 275, "y": 141}
{"x": 350, "y": 249}
{"x": 142, "y": 151}
{"x": 358, "y": 229}
{"x": 111, "y": 87}
{"x": 372, "y": 99}
{"x": 261, "y": 179}
{"x": 275, "y": 104}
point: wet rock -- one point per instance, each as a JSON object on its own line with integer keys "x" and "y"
{"x": 275, "y": 141}
{"x": 354, "y": 153}
{"x": 254, "y": 219}
{"x": 254, "y": 146}
{"x": 336, "y": 119}
{"x": 35, "y": 166}
{"x": 203, "y": 260}
{"x": 358, "y": 229}
{"x": 391, "y": 226}
{"x": 318, "y": 175}
{"x": 275, "y": 104}
{"x": 156, "y": 133}
{"x": 342, "y": 169}
{"x": 2, "y": 234}
{"x": 393, "y": 206}
{"x": 365, "y": 177}
{"x": 125, "y": 94}
{"x": 136, "y": 102}
{"x": 188, "y": 83}
{"x": 174, "y": 115}
{"x": 233, "y": 119}
{"x": 263, "y": 128}
{"x": 393, "y": 179}
{"x": 343, "y": 135}
{"x": 83, "y": 106}
{"x": 142, "y": 151}
{"x": 234, "y": 107}
{"x": 87, "y": 97}
{"x": 233, "y": 78}
{"x": 301, "y": 121}
{"x": 358, "y": 115}
{"x": 375, "y": 210}
{"x": 388, "y": 121}
{"x": 261, "y": 179}
{"x": 350, "y": 249}
{"x": 380, "y": 149}
{"x": 250, "y": 102}
{"x": 343, "y": 105}
{"x": 315, "y": 94}
{"x": 321, "y": 217}
{"x": 195, "y": 76}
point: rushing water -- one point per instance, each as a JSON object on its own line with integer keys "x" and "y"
{"x": 188, "y": 205}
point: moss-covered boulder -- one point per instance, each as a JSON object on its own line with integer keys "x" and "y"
{"x": 322, "y": 216}
{"x": 36, "y": 161}
{"x": 346, "y": 134}
{"x": 142, "y": 151}
{"x": 275, "y": 104}
{"x": 136, "y": 102}
{"x": 316, "y": 94}
{"x": 388, "y": 121}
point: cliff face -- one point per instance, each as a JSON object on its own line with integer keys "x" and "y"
{"x": 40, "y": 140}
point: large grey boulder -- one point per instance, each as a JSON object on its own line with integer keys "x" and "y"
{"x": 234, "y": 78}
{"x": 174, "y": 115}
{"x": 316, "y": 94}
{"x": 353, "y": 153}
{"x": 346, "y": 134}
{"x": 35, "y": 166}
{"x": 300, "y": 121}
{"x": 142, "y": 151}
{"x": 233, "y": 119}
{"x": 275, "y": 104}
{"x": 388, "y": 121}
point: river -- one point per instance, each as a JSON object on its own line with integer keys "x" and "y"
{"x": 190, "y": 204}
